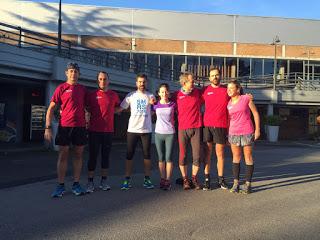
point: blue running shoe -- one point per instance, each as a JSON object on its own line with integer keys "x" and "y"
{"x": 58, "y": 192}
{"x": 147, "y": 183}
{"x": 126, "y": 184}
{"x": 78, "y": 190}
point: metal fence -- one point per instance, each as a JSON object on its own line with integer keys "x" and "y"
{"x": 45, "y": 43}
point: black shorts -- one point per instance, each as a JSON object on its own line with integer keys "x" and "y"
{"x": 215, "y": 135}
{"x": 132, "y": 140}
{"x": 76, "y": 136}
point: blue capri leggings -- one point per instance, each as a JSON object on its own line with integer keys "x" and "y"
{"x": 164, "y": 145}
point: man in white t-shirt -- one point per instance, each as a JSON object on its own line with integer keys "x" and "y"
{"x": 139, "y": 128}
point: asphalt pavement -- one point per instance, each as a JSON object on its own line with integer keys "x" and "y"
{"x": 284, "y": 204}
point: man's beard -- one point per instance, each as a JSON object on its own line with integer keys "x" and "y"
{"x": 142, "y": 88}
{"x": 216, "y": 82}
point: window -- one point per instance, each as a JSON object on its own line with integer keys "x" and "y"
{"x": 178, "y": 64}
{"x": 256, "y": 67}
{"x": 165, "y": 66}
{"x": 244, "y": 67}
{"x": 152, "y": 65}
{"x": 139, "y": 62}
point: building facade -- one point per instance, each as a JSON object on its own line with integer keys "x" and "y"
{"x": 162, "y": 43}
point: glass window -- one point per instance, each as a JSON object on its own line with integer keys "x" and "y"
{"x": 139, "y": 62}
{"x": 205, "y": 64}
{"x": 218, "y": 62}
{"x": 192, "y": 64}
{"x": 296, "y": 66}
{"x": 282, "y": 68}
{"x": 244, "y": 67}
{"x": 165, "y": 66}
{"x": 119, "y": 60}
{"x": 268, "y": 67}
{"x": 153, "y": 65}
{"x": 178, "y": 65}
{"x": 231, "y": 67}
{"x": 256, "y": 67}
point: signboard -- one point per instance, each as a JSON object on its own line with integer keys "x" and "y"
{"x": 38, "y": 121}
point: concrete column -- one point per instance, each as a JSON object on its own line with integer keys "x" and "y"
{"x": 50, "y": 87}
{"x": 185, "y": 46}
{"x": 270, "y": 110}
{"x": 20, "y": 107}
{"x": 234, "y": 48}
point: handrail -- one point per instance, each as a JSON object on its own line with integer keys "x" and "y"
{"x": 36, "y": 41}
{"x": 49, "y": 44}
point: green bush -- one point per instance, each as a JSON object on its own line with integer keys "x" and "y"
{"x": 273, "y": 120}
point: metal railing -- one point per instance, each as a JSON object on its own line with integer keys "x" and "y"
{"x": 124, "y": 61}
{"x": 24, "y": 38}
{"x": 293, "y": 80}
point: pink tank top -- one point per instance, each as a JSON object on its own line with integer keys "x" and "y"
{"x": 240, "y": 117}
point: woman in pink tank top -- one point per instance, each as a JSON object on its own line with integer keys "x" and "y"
{"x": 242, "y": 133}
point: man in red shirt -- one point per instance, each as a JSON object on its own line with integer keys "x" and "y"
{"x": 215, "y": 125}
{"x": 101, "y": 104}
{"x": 188, "y": 101}
{"x": 70, "y": 96}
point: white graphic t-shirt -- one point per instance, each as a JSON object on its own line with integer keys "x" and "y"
{"x": 140, "y": 118}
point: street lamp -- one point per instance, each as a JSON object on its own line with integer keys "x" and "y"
{"x": 275, "y": 41}
{"x": 59, "y": 28}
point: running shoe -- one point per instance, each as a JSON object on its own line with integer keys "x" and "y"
{"x": 167, "y": 185}
{"x": 222, "y": 184}
{"x": 90, "y": 187}
{"x": 206, "y": 185}
{"x": 235, "y": 188}
{"x": 195, "y": 183}
{"x": 78, "y": 190}
{"x": 162, "y": 183}
{"x": 103, "y": 185}
{"x": 59, "y": 191}
{"x": 148, "y": 184}
{"x": 126, "y": 184}
{"x": 186, "y": 184}
{"x": 246, "y": 188}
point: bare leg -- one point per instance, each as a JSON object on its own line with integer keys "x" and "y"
{"x": 77, "y": 162}
{"x": 220, "y": 159}
{"x": 62, "y": 163}
{"x": 162, "y": 169}
{"x": 169, "y": 168}
{"x": 207, "y": 165}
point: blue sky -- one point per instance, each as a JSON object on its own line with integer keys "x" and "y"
{"x": 309, "y": 9}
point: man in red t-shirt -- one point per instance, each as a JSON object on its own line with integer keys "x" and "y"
{"x": 189, "y": 101}
{"x": 215, "y": 125}
{"x": 101, "y": 104}
{"x": 70, "y": 96}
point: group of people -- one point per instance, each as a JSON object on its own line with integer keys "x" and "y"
{"x": 226, "y": 119}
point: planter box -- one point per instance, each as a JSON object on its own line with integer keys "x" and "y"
{"x": 272, "y": 133}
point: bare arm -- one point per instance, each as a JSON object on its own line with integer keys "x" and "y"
{"x": 49, "y": 118}
{"x": 118, "y": 109}
{"x": 256, "y": 118}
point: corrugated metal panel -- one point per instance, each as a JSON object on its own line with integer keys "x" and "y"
{"x": 290, "y": 31}
{"x": 183, "y": 26}
{"x": 121, "y": 22}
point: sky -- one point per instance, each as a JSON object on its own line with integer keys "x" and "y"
{"x": 308, "y": 9}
